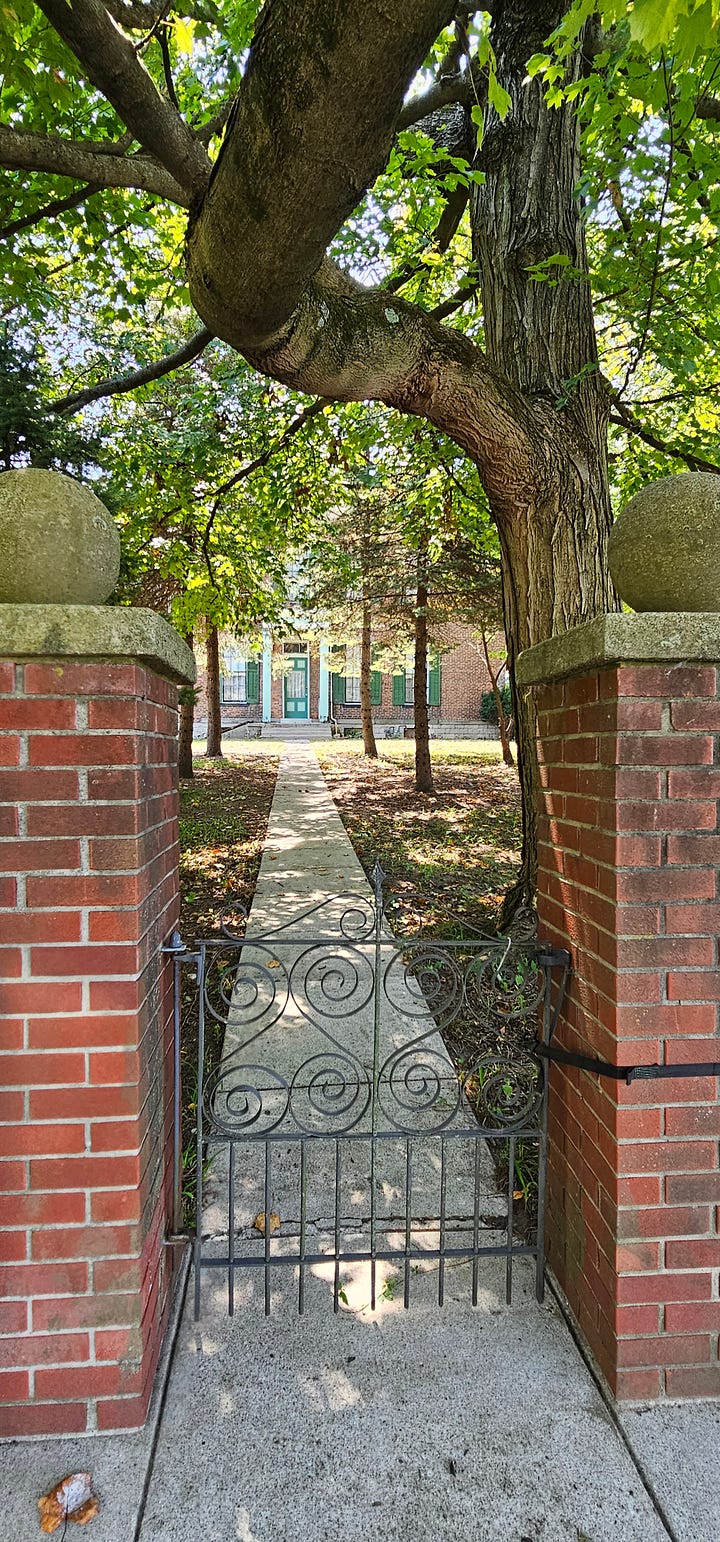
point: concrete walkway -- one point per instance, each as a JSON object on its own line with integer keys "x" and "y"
{"x": 458, "y": 1425}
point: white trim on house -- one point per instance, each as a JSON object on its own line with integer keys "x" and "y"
{"x": 324, "y": 686}
{"x": 267, "y": 675}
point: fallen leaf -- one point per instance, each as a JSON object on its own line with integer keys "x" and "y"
{"x": 273, "y": 1222}
{"x": 71, "y": 1499}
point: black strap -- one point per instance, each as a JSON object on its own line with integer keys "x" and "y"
{"x": 627, "y": 1073}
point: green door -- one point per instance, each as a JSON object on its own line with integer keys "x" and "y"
{"x": 296, "y": 688}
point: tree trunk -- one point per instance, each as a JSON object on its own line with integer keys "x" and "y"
{"x": 187, "y": 697}
{"x": 499, "y": 708}
{"x": 368, "y": 732}
{"x": 423, "y": 764}
{"x": 212, "y": 686}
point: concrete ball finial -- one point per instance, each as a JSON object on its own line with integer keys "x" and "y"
{"x": 664, "y": 548}
{"x": 58, "y": 543}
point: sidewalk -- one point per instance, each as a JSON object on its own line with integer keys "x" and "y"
{"x": 452, "y": 1425}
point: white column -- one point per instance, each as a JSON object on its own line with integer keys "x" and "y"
{"x": 323, "y": 692}
{"x": 267, "y": 675}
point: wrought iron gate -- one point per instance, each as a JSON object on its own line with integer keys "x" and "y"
{"x": 340, "y": 1131}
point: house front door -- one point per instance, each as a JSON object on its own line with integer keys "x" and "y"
{"x": 296, "y": 688}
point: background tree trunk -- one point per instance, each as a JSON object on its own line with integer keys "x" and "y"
{"x": 499, "y": 708}
{"x": 368, "y": 731}
{"x": 423, "y": 764}
{"x": 214, "y": 725}
{"x": 186, "y": 699}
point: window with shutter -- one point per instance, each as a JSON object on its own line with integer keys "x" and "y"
{"x": 398, "y": 690}
{"x": 434, "y": 682}
{"x": 252, "y": 680}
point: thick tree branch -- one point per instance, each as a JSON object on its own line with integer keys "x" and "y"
{"x": 109, "y": 60}
{"x": 119, "y": 385}
{"x": 310, "y": 130}
{"x": 49, "y": 210}
{"x": 87, "y": 161}
{"x": 622, "y": 417}
{"x": 456, "y": 89}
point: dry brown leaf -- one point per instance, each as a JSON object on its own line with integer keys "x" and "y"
{"x": 71, "y": 1499}
{"x": 273, "y": 1222}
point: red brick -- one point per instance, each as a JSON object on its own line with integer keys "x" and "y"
{"x": 41, "y": 1070}
{"x": 23, "y": 713}
{"x": 84, "y": 1102}
{"x": 693, "y": 850}
{"x": 692, "y": 920}
{"x": 84, "y": 679}
{"x": 694, "y": 784}
{"x": 664, "y": 1156}
{"x": 692, "y": 1188}
{"x": 115, "y": 1135}
{"x": 629, "y": 1020}
{"x": 664, "y": 1287}
{"x": 637, "y": 1385}
{"x": 122, "y": 1413}
{"x": 9, "y": 823}
{"x": 666, "y": 680}
{"x": 121, "y": 1274}
{"x": 41, "y": 926}
{"x": 693, "y": 1317}
{"x": 85, "y": 749}
{"x": 88, "y": 959}
{"x": 638, "y": 851}
{"x": 701, "y": 985}
{"x": 88, "y": 1381}
{"x": 666, "y": 885}
{"x": 703, "y": 1119}
{"x": 662, "y": 1350}
{"x": 117, "y": 712}
{"x": 632, "y": 1257}
{"x": 85, "y": 1172}
{"x": 8, "y": 892}
{"x": 664, "y": 1221}
{"x": 12, "y": 1106}
{"x": 43, "y": 1280}
{"x": 43, "y": 1419}
{"x": 115, "y": 1205}
{"x": 26, "y": 786}
{"x": 634, "y": 1321}
{"x": 55, "y": 1242}
{"x": 116, "y": 925}
{"x": 10, "y": 963}
{"x": 664, "y": 952}
{"x": 116, "y": 995}
{"x": 13, "y": 1246}
{"x": 642, "y": 716}
{"x": 44, "y": 1349}
{"x": 9, "y": 750}
{"x": 82, "y": 819}
{"x": 693, "y": 1253}
{"x": 39, "y": 856}
{"x": 12, "y": 1177}
{"x": 14, "y": 1387}
{"x": 42, "y": 1209}
{"x": 44, "y": 1139}
{"x": 84, "y": 889}
{"x": 56, "y": 1314}
{"x": 700, "y": 715}
{"x": 7, "y": 677}
{"x": 86, "y": 1031}
{"x": 700, "y": 1381}
{"x": 665, "y": 749}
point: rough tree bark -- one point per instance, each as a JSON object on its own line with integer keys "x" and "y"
{"x": 214, "y": 724}
{"x": 186, "y": 698}
{"x": 423, "y": 764}
{"x": 368, "y": 732}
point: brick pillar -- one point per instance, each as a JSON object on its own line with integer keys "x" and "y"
{"x": 628, "y": 724}
{"x": 88, "y": 895}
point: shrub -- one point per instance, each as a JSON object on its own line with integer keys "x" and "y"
{"x": 488, "y": 707}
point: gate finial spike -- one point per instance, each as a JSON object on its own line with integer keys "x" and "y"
{"x": 377, "y": 878}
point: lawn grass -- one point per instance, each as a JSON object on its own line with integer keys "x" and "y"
{"x": 449, "y": 858}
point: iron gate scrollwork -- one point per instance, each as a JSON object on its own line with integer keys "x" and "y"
{"x": 336, "y": 1094}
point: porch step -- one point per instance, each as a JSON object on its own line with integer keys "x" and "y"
{"x": 293, "y": 731}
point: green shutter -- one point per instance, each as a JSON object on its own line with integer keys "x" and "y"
{"x": 338, "y": 689}
{"x": 252, "y": 678}
{"x": 398, "y": 690}
{"x": 434, "y": 682}
{"x": 375, "y": 688}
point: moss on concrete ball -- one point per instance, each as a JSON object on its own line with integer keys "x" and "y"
{"x": 58, "y": 544}
{"x": 664, "y": 548}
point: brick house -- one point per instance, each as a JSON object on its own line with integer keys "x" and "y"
{"x": 292, "y": 681}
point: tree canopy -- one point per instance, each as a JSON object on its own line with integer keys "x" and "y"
{"x": 328, "y": 187}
